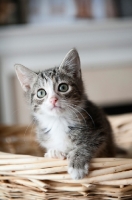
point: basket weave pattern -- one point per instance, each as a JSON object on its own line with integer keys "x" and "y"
{"x": 26, "y": 177}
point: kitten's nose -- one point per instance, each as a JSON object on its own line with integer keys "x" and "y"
{"x": 53, "y": 100}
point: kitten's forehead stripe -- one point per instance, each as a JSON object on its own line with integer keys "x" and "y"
{"x": 56, "y": 79}
{"x": 42, "y": 75}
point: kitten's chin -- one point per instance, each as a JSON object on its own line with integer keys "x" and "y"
{"x": 56, "y": 111}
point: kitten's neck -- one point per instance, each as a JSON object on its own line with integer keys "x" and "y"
{"x": 48, "y": 121}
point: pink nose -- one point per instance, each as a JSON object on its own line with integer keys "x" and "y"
{"x": 53, "y": 100}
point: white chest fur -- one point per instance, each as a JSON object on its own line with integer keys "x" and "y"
{"x": 57, "y": 136}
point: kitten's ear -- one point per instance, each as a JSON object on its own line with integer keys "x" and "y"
{"x": 71, "y": 63}
{"x": 25, "y": 76}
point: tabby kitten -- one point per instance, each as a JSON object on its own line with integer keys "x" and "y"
{"x": 68, "y": 124}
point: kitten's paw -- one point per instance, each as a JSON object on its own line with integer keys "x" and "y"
{"x": 78, "y": 167}
{"x": 52, "y": 153}
{"x": 78, "y": 173}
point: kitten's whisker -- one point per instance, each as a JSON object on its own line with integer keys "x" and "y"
{"x": 86, "y": 113}
{"x": 70, "y": 108}
{"x": 18, "y": 109}
{"x": 77, "y": 111}
{"x": 73, "y": 110}
{"x": 81, "y": 101}
{"x": 27, "y": 129}
{"x": 74, "y": 113}
{"x": 32, "y": 132}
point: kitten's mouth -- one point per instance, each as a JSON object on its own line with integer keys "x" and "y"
{"x": 57, "y": 108}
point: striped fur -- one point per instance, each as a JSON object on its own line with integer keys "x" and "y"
{"x": 76, "y": 129}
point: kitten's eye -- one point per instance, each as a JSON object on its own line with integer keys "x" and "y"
{"x": 63, "y": 87}
{"x": 41, "y": 93}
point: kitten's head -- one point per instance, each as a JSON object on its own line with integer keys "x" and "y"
{"x": 53, "y": 91}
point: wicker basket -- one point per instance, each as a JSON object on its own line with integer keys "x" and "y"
{"x": 35, "y": 177}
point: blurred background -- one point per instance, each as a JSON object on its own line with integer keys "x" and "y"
{"x": 38, "y": 34}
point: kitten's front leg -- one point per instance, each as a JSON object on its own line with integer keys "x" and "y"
{"x": 78, "y": 163}
{"x": 55, "y": 153}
